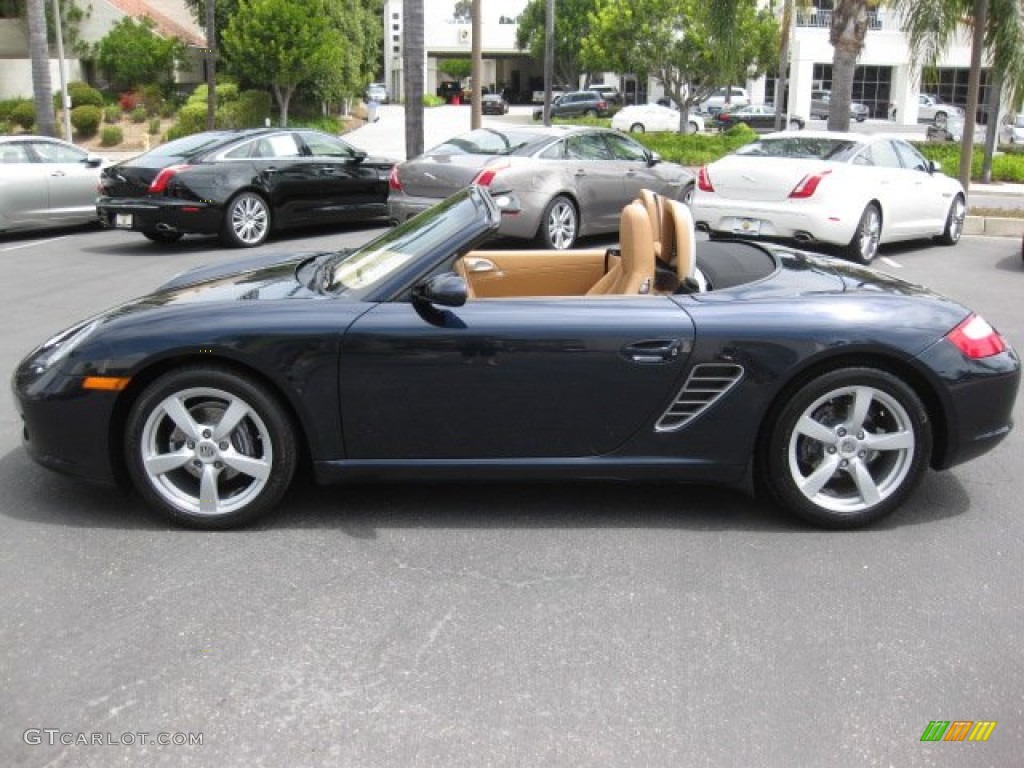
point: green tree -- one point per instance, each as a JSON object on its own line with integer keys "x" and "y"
{"x": 223, "y": 12}
{"x": 131, "y": 54}
{"x": 281, "y": 44}
{"x": 572, "y": 22}
{"x": 355, "y": 63}
{"x": 456, "y": 69}
{"x": 998, "y": 29}
{"x": 682, "y": 43}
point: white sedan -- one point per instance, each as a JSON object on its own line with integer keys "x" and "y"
{"x": 641, "y": 118}
{"x": 851, "y": 190}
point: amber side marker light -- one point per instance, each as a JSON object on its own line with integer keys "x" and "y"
{"x": 106, "y": 383}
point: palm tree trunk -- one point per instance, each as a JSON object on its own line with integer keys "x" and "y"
{"x": 413, "y": 54}
{"x": 973, "y": 88}
{"x": 783, "y": 77}
{"x": 849, "y": 27}
{"x": 39, "y": 51}
{"x": 995, "y": 94}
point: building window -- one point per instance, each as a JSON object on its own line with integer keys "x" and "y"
{"x": 950, "y": 85}
{"x": 871, "y": 86}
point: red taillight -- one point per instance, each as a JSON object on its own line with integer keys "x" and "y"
{"x": 976, "y": 338}
{"x": 704, "y": 180}
{"x": 808, "y": 184}
{"x": 159, "y": 184}
{"x": 602, "y": 105}
{"x": 486, "y": 175}
{"x": 394, "y": 183}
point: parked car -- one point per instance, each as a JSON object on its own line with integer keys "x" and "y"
{"x": 844, "y": 189}
{"x": 832, "y": 387}
{"x": 716, "y": 102}
{"x": 552, "y": 185}
{"x": 494, "y": 104}
{"x": 760, "y": 117}
{"x": 537, "y": 96}
{"x": 242, "y": 185}
{"x": 377, "y": 92}
{"x": 46, "y": 182}
{"x": 576, "y": 104}
{"x": 821, "y": 107}
{"x": 645, "y": 118}
{"x": 1013, "y": 129}
{"x": 609, "y": 93}
{"x": 931, "y": 108}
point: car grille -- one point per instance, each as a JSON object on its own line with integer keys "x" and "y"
{"x": 707, "y": 382}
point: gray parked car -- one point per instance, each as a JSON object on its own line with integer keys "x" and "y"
{"x": 821, "y": 105}
{"x": 551, "y": 184}
{"x": 576, "y": 104}
{"x": 46, "y": 182}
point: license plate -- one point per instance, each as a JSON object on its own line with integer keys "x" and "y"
{"x": 747, "y": 227}
{"x": 122, "y": 220}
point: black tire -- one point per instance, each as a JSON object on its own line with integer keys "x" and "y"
{"x": 864, "y": 246}
{"x": 954, "y": 222}
{"x": 162, "y": 237}
{"x": 246, "y": 221}
{"x": 191, "y": 474}
{"x": 637, "y": 128}
{"x": 687, "y": 196}
{"x": 590, "y": 113}
{"x": 866, "y": 426}
{"x": 559, "y": 226}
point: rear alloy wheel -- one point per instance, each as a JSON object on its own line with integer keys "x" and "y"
{"x": 687, "y": 196}
{"x": 954, "y": 222}
{"x": 209, "y": 448}
{"x": 559, "y": 225}
{"x": 158, "y": 236}
{"x": 864, "y": 245}
{"x": 637, "y": 128}
{"x": 246, "y": 221}
{"x": 848, "y": 448}
{"x": 590, "y": 113}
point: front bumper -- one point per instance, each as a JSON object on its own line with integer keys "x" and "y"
{"x": 160, "y": 215}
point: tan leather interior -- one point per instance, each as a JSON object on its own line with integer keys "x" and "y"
{"x": 636, "y": 270}
{"x": 683, "y": 237}
{"x": 651, "y": 201}
{"x": 504, "y": 274}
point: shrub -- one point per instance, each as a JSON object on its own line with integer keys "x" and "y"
{"x": 153, "y": 98}
{"x": 129, "y": 101}
{"x": 111, "y": 136}
{"x": 251, "y": 109}
{"x": 154, "y": 126}
{"x": 7, "y": 106}
{"x": 84, "y": 95}
{"x": 86, "y": 120}
{"x": 24, "y": 114}
{"x": 191, "y": 119}
{"x": 430, "y": 100}
{"x": 112, "y": 115}
{"x": 175, "y": 132}
{"x": 138, "y": 115}
{"x": 325, "y": 123}
{"x": 5, "y": 127}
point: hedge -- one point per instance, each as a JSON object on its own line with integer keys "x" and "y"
{"x": 111, "y": 136}
{"x": 86, "y": 120}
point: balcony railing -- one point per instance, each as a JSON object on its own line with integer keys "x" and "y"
{"x": 877, "y": 20}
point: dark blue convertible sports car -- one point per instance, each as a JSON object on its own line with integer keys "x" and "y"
{"x": 828, "y": 386}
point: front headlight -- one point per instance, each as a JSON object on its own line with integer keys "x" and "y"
{"x": 58, "y": 347}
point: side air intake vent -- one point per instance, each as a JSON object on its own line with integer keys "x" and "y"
{"x": 707, "y": 383}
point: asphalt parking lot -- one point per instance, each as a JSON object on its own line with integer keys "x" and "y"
{"x": 511, "y": 624}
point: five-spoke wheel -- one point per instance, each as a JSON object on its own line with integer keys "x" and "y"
{"x": 558, "y": 227}
{"x": 209, "y": 447}
{"x": 864, "y": 245}
{"x": 246, "y": 221}
{"x": 848, "y": 447}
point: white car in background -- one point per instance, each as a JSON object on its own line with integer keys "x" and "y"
{"x": 849, "y": 190}
{"x": 649, "y": 118}
{"x": 932, "y": 109}
{"x": 1013, "y": 129}
{"x": 715, "y": 103}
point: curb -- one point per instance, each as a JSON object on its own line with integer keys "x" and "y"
{"x": 995, "y": 226}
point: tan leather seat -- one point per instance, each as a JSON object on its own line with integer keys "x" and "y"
{"x": 655, "y": 211}
{"x": 634, "y": 274}
{"x": 679, "y": 235}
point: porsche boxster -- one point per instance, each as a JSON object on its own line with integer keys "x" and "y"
{"x": 827, "y": 385}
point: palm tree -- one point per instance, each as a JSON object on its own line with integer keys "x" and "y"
{"x": 413, "y": 54}
{"x": 847, "y": 32}
{"x": 39, "y": 51}
{"x": 997, "y": 30}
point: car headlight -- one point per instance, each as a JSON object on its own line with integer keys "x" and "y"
{"x": 57, "y": 348}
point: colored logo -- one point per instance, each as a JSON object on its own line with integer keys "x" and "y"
{"x": 958, "y": 730}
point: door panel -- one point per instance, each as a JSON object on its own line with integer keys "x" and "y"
{"x": 508, "y": 378}
{"x": 505, "y": 274}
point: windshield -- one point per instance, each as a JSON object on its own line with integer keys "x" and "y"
{"x": 487, "y": 141}
{"x": 818, "y": 148}
{"x": 357, "y": 273}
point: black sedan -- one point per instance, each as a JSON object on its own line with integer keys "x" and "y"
{"x": 758, "y": 116}
{"x": 493, "y": 104}
{"x": 242, "y": 185}
{"x": 829, "y": 386}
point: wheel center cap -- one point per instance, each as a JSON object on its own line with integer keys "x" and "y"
{"x": 848, "y": 446}
{"x": 207, "y": 451}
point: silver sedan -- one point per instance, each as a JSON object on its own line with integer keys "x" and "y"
{"x": 46, "y": 182}
{"x": 552, "y": 185}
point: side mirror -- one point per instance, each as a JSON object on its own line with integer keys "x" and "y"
{"x": 358, "y": 155}
{"x": 934, "y": 166}
{"x": 446, "y": 290}
{"x": 93, "y": 161}
{"x": 653, "y": 159}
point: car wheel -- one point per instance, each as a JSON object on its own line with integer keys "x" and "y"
{"x": 687, "y": 196}
{"x": 939, "y": 118}
{"x": 796, "y": 125}
{"x": 590, "y": 113}
{"x": 637, "y": 128}
{"x": 559, "y": 225}
{"x": 954, "y": 222}
{"x": 209, "y": 448}
{"x": 861, "y": 118}
{"x": 158, "y": 236}
{"x": 848, "y": 447}
{"x": 864, "y": 245}
{"x": 246, "y": 221}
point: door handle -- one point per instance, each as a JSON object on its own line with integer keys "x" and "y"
{"x": 476, "y": 264}
{"x": 270, "y": 171}
{"x": 58, "y": 173}
{"x": 653, "y": 351}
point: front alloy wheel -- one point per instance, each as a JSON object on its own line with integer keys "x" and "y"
{"x": 209, "y": 448}
{"x": 246, "y": 221}
{"x": 954, "y": 222}
{"x": 559, "y": 225}
{"x": 848, "y": 447}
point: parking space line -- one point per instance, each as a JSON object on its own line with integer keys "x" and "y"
{"x": 34, "y": 242}
{"x": 891, "y": 262}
